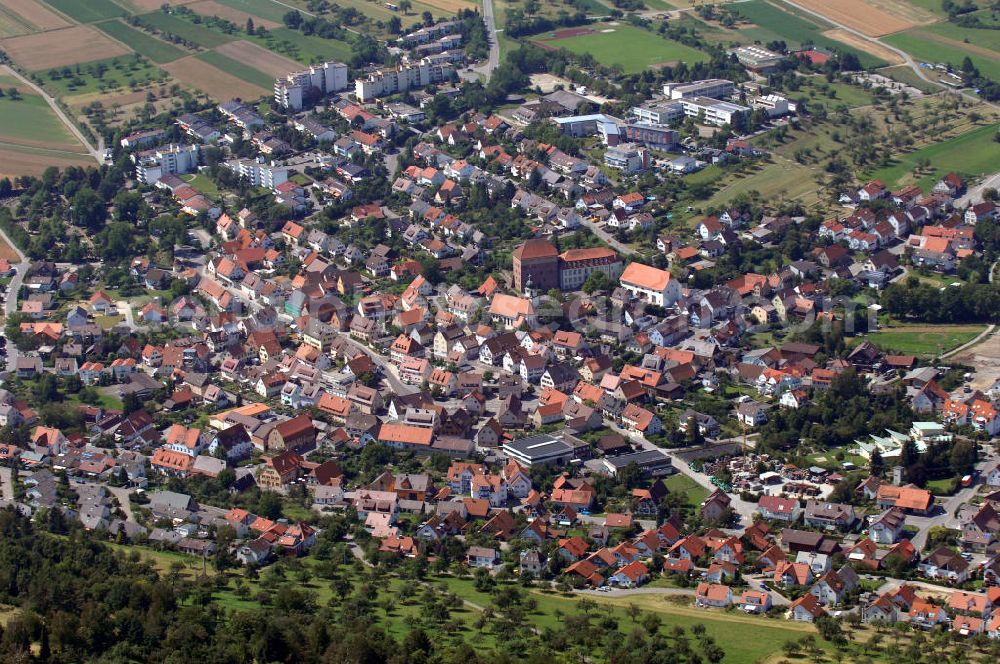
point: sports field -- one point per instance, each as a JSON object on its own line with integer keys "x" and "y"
{"x": 972, "y": 153}
{"x": 141, "y": 42}
{"x": 633, "y": 49}
{"x": 924, "y": 340}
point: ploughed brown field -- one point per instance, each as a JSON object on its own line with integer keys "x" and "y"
{"x": 59, "y": 48}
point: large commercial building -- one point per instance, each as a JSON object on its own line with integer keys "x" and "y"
{"x": 757, "y": 58}
{"x": 152, "y": 165}
{"x": 536, "y": 262}
{"x": 385, "y": 82}
{"x": 545, "y": 449}
{"x": 291, "y": 91}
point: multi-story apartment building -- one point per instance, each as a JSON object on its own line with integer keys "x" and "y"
{"x": 292, "y": 90}
{"x": 258, "y": 174}
{"x": 385, "y": 82}
{"x": 173, "y": 159}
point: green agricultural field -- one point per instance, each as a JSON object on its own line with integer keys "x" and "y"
{"x": 305, "y": 49}
{"x": 30, "y": 120}
{"x": 238, "y": 69}
{"x": 87, "y": 11}
{"x": 973, "y": 153}
{"x": 772, "y": 23}
{"x": 923, "y": 340}
{"x": 102, "y": 75}
{"x": 156, "y": 50}
{"x": 932, "y": 47}
{"x": 634, "y": 49}
{"x": 198, "y": 34}
{"x": 266, "y": 9}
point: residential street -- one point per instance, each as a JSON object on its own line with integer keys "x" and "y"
{"x": 947, "y": 517}
{"x": 13, "y": 288}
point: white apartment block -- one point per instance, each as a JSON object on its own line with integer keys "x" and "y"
{"x": 258, "y": 174}
{"x": 385, "y": 82}
{"x": 719, "y": 88}
{"x": 715, "y": 112}
{"x": 627, "y": 157}
{"x": 329, "y": 77}
{"x": 174, "y": 159}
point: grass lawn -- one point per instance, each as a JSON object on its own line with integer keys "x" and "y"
{"x": 940, "y": 487}
{"x": 141, "y": 42}
{"x": 696, "y": 493}
{"x": 202, "y": 183}
{"x": 972, "y": 153}
{"x": 199, "y": 34}
{"x": 108, "y": 322}
{"x": 238, "y": 69}
{"x": 924, "y": 340}
{"x": 86, "y": 11}
{"x": 906, "y": 76}
{"x": 632, "y": 48}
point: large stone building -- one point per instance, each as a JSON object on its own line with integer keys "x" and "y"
{"x": 538, "y": 262}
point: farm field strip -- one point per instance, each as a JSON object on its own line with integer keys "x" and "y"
{"x": 57, "y": 48}
{"x": 211, "y": 80}
{"x": 142, "y": 43}
{"x": 198, "y": 34}
{"x": 865, "y": 16}
{"x": 931, "y": 47}
{"x": 236, "y": 68}
{"x": 783, "y": 22}
{"x": 265, "y": 9}
{"x": 230, "y": 13}
{"x": 260, "y": 58}
{"x": 36, "y": 14}
{"x": 87, "y": 11}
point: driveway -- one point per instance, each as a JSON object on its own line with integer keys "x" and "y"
{"x": 6, "y": 487}
{"x": 121, "y": 493}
